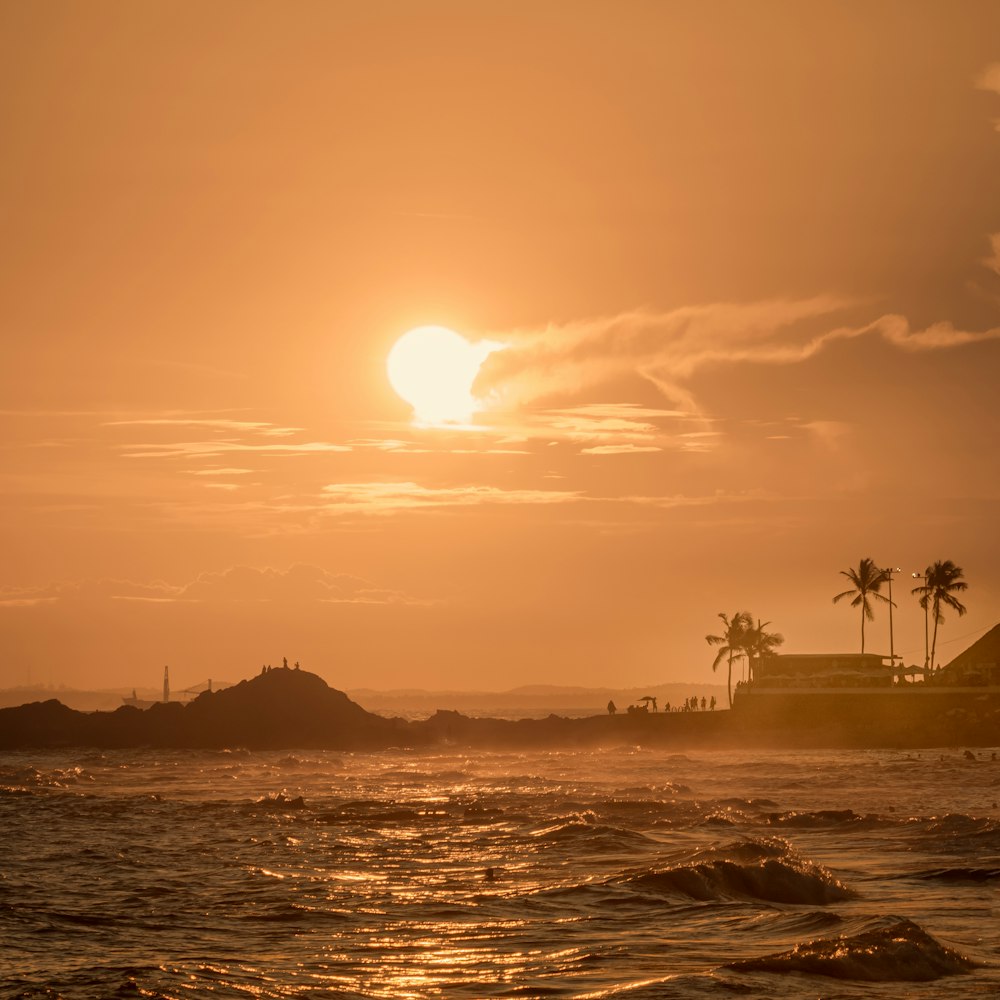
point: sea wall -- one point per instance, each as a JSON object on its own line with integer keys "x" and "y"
{"x": 904, "y": 717}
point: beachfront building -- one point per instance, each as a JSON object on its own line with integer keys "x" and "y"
{"x": 823, "y": 671}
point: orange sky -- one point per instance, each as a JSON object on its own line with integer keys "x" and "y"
{"x": 744, "y": 260}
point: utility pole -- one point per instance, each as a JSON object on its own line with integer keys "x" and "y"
{"x": 892, "y": 649}
{"x": 166, "y": 685}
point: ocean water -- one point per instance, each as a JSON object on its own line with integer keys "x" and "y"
{"x": 620, "y": 873}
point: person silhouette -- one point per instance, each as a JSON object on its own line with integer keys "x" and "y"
{"x": 612, "y": 708}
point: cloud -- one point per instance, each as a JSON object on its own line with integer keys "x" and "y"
{"x": 236, "y": 437}
{"x": 391, "y": 498}
{"x": 989, "y": 79}
{"x": 216, "y": 449}
{"x": 386, "y": 498}
{"x": 668, "y": 348}
{"x": 618, "y": 449}
{"x": 601, "y": 426}
{"x": 678, "y": 500}
{"x": 830, "y": 433}
{"x": 300, "y": 583}
{"x": 258, "y": 426}
{"x": 665, "y": 348}
{"x": 938, "y": 336}
{"x": 610, "y": 423}
{"x": 219, "y": 472}
{"x": 86, "y": 590}
{"x": 993, "y": 261}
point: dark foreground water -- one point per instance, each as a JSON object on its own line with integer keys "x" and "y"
{"x": 625, "y": 873}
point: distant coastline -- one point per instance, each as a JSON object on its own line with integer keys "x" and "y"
{"x": 289, "y": 708}
{"x": 534, "y": 701}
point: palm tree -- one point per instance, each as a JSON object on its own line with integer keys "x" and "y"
{"x": 731, "y": 643}
{"x": 942, "y": 581}
{"x": 866, "y": 580}
{"x": 760, "y": 643}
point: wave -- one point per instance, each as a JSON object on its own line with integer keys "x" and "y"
{"x": 279, "y": 802}
{"x": 374, "y": 818}
{"x": 960, "y": 825}
{"x": 766, "y": 870}
{"x": 32, "y": 777}
{"x": 423, "y": 777}
{"x": 746, "y": 850}
{"x": 662, "y": 788}
{"x": 595, "y": 836}
{"x": 976, "y": 835}
{"x": 823, "y": 818}
{"x": 771, "y": 881}
{"x": 737, "y": 803}
{"x": 900, "y": 951}
{"x": 285, "y": 912}
{"x": 959, "y": 875}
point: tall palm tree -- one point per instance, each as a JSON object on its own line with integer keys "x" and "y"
{"x": 760, "y": 643}
{"x": 942, "y": 580}
{"x": 866, "y": 581}
{"x": 731, "y": 643}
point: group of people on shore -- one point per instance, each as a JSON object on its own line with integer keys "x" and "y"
{"x": 692, "y": 704}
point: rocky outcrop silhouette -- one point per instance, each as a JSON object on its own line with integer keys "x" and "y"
{"x": 280, "y": 708}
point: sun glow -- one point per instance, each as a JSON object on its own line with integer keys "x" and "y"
{"x": 433, "y": 369}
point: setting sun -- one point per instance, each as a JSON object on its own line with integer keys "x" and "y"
{"x": 433, "y": 369}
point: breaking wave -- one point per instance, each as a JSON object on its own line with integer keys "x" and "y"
{"x": 752, "y": 869}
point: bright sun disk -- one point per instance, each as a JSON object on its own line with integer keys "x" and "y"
{"x": 433, "y": 369}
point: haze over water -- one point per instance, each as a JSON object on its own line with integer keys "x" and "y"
{"x": 567, "y": 874}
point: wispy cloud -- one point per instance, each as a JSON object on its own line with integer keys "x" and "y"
{"x": 830, "y": 433}
{"x": 238, "y": 426}
{"x": 84, "y": 590}
{"x": 993, "y": 261}
{"x": 667, "y": 349}
{"x": 603, "y": 427}
{"x": 216, "y": 449}
{"x": 385, "y": 498}
{"x": 220, "y": 472}
{"x": 608, "y": 423}
{"x": 989, "y": 79}
{"x": 618, "y": 449}
{"x": 299, "y": 584}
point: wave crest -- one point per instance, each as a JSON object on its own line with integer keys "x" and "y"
{"x": 901, "y": 951}
{"x": 764, "y": 869}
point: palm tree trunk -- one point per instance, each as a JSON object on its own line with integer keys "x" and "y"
{"x": 729, "y": 683}
{"x": 937, "y": 613}
{"x": 862, "y": 630}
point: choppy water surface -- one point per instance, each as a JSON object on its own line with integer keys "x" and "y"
{"x": 575, "y": 874}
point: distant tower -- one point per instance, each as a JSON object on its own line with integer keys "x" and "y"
{"x": 166, "y": 684}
